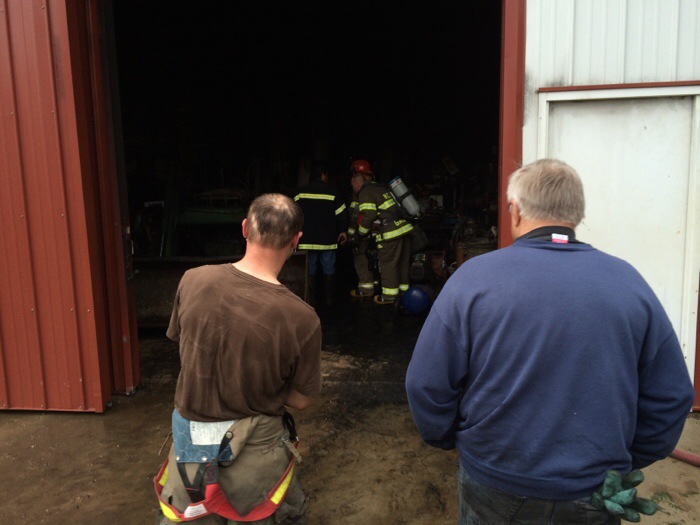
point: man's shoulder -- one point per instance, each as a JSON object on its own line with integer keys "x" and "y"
{"x": 207, "y": 271}
{"x": 294, "y": 306}
{"x": 371, "y": 189}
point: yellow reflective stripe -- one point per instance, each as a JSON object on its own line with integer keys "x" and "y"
{"x": 351, "y": 231}
{"x": 368, "y": 206}
{"x": 398, "y": 232}
{"x": 387, "y": 204}
{"x": 390, "y": 291}
{"x": 404, "y": 287}
{"x": 366, "y": 286}
{"x": 317, "y": 246}
{"x": 340, "y": 210}
{"x": 363, "y": 230}
{"x": 164, "y": 478}
{"x": 317, "y": 196}
{"x": 354, "y": 204}
{"x": 168, "y": 513}
{"x": 282, "y": 489}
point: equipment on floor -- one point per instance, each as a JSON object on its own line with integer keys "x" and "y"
{"x": 416, "y": 300}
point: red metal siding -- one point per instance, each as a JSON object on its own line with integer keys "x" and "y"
{"x": 52, "y": 340}
{"x": 512, "y": 105}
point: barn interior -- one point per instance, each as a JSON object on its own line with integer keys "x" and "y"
{"x": 222, "y": 101}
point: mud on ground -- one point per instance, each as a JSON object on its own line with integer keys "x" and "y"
{"x": 363, "y": 460}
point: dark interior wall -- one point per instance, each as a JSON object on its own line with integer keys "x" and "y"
{"x": 241, "y": 94}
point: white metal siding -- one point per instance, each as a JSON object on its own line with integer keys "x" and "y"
{"x": 594, "y": 42}
{"x": 582, "y": 42}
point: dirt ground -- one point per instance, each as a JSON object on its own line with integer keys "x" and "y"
{"x": 363, "y": 460}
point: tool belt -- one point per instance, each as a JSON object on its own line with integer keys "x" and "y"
{"x": 206, "y": 494}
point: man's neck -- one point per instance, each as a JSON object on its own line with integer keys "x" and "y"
{"x": 526, "y": 226}
{"x": 262, "y": 263}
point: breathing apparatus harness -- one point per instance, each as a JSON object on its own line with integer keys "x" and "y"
{"x": 206, "y": 494}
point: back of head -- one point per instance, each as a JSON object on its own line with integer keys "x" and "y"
{"x": 548, "y": 190}
{"x": 319, "y": 171}
{"x": 273, "y": 221}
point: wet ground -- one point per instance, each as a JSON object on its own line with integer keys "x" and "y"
{"x": 363, "y": 460}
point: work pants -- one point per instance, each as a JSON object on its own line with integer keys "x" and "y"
{"x": 482, "y": 505}
{"x": 327, "y": 259}
{"x": 251, "y": 475}
{"x": 395, "y": 265}
{"x": 364, "y": 274}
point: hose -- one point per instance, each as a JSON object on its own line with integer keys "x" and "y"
{"x": 686, "y": 456}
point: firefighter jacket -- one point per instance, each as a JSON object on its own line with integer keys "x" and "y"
{"x": 325, "y": 216}
{"x": 376, "y": 202}
{"x": 354, "y": 214}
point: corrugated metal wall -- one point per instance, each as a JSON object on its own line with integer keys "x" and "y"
{"x": 585, "y": 42}
{"x": 50, "y": 332}
{"x": 596, "y": 42}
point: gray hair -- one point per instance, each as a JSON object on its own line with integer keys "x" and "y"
{"x": 274, "y": 219}
{"x": 548, "y": 189}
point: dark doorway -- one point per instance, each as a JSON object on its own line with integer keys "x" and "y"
{"x": 223, "y": 94}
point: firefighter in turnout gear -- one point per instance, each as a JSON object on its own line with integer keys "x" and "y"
{"x": 325, "y": 220}
{"x": 365, "y": 274}
{"x": 393, "y": 242}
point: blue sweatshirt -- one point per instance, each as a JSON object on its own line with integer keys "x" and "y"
{"x": 545, "y": 365}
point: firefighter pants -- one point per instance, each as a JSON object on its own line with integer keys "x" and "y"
{"x": 251, "y": 475}
{"x": 364, "y": 274}
{"x": 395, "y": 265}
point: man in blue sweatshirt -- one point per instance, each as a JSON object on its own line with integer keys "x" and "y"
{"x": 546, "y": 364}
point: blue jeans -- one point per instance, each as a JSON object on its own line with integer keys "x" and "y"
{"x": 327, "y": 258}
{"x": 482, "y": 505}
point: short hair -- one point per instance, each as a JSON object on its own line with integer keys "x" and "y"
{"x": 273, "y": 220}
{"x": 548, "y": 189}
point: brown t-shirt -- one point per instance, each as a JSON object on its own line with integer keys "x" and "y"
{"x": 243, "y": 343}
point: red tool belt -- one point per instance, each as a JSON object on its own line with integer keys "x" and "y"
{"x": 207, "y": 496}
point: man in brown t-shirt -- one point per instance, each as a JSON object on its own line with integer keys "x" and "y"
{"x": 248, "y": 348}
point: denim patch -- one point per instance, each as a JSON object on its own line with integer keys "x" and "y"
{"x": 188, "y": 452}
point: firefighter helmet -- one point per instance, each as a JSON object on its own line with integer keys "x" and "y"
{"x": 361, "y": 166}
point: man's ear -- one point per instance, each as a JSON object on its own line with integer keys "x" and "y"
{"x": 244, "y": 228}
{"x": 295, "y": 242}
{"x": 515, "y": 215}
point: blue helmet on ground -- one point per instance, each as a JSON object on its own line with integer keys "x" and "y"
{"x": 416, "y": 300}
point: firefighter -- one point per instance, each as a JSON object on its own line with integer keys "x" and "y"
{"x": 365, "y": 274}
{"x": 393, "y": 244}
{"x": 325, "y": 220}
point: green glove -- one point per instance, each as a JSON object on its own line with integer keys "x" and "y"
{"x": 618, "y": 496}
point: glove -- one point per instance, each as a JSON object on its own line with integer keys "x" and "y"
{"x": 618, "y": 496}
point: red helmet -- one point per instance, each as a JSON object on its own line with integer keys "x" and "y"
{"x": 361, "y": 166}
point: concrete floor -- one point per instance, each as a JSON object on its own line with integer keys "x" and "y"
{"x": 363, "y": 460}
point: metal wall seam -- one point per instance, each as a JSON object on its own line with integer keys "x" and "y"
{"x": 74, "y": 371}
{"x": 18, "y": 303}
